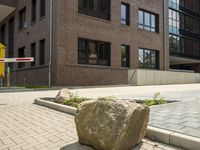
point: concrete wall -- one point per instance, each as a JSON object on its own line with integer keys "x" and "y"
{"x": 153, "y": 77}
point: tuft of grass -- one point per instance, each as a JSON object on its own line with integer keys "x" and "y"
{"x": 156, "y": 100}
{"x": 75, "y": 100}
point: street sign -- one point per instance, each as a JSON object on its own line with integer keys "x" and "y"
{"x": 2, "y": 64}
{"x": 13, "y": 60}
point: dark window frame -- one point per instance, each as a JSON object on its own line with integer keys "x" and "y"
{"x": 127, "y": 56}
{"x": 22, "y": 18}
{"x": 42, "y": 48}
{"x": 33, "y": 11}
{"x": 42, "y": 8}
{"x": 126, "y": 20}
{"x": 149, "y": 27}
{"x": 150, "y": 65}
{"x": 102, "y": 51}
{"x": 97, "y": 8}
{"x": 33, "y": 54}
{"x": 21, "y": 53}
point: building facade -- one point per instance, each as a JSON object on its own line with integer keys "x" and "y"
{"x": 94, "y": 42}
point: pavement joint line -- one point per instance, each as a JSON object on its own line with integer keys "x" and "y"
{"x": 161, "y": 135}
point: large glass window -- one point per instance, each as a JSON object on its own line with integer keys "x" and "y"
{"x": 184, "y": 28}
{"x": 22, "y": 18}
{"x": 95, "y": 8}
{"x": 125, "y": 14}
{"x": 93, "y": 52}
{"x": 148, "y": 21}
{"x": 125, "y": 56}
{"x": 185, "y": 47}
{"x": 148, "y": 59}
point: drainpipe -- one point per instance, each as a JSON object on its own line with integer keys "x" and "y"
{"x": 50, "y": 38}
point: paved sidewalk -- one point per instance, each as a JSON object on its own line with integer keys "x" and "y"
{"x": 181, "y": 92}
{"x": 181, "y": 117}
{"x": 26, "y": 126}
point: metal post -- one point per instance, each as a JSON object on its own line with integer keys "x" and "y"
{"x": 8, "y": 77}
{"x": 50, "y": 39}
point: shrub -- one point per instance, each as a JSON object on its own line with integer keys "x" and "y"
{"x": 74, "y": 100}
{"x": 156, "y": 100}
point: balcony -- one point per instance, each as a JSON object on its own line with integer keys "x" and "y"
{"x": 6, "y": 7}
{"x": 174, "y": 60}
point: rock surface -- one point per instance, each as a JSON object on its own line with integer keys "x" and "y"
{"x": 111, "y": 125}
{"x": 63, "y": 95}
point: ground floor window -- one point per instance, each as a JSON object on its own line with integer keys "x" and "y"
{"x": 93, "y": 52}
{"x": 21, "y": 53}
{"x": 42, "y": 52}
{"x": 125, "y": 56}
{"x": 148, "y": 59}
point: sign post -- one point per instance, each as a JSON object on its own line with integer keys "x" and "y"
{"x": 8, "y": 77}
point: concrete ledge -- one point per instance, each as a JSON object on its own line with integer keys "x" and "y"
{"x": 173, "y": 138}
{"x": 160, "y": 135}
{"x": 59, "y": 107}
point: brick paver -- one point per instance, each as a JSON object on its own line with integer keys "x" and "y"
{"x": 26, "y": 126}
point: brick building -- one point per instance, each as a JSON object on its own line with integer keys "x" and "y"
{"x": 95, "y": 42}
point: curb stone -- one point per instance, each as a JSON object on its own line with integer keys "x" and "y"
{"x": 161, "y": 135}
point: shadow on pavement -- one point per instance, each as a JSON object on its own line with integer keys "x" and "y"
{"x": 76, "y": 146}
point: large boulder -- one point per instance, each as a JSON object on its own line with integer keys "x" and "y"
{"x": 63, "y": 95}
{"x": 111, "y": 125}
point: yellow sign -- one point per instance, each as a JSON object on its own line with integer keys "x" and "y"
{"x": 2, "y": 64}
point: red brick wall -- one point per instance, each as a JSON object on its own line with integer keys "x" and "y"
{"x": 69, "y": 25}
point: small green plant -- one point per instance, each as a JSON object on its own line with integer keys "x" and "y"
{"x": 75, "y": 100}
{"x": 108, "y": 98}
{"x": 36, "y": 86}
{"x": 156, "y": 100}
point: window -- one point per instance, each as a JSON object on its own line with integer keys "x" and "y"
{"x": 42, "y": 52}
{"x": 33, "y": 11}
{"x": 22, "y": 18}
{"x": 42, "y": 8}
{"x": 10, "y": 49}
{"x": 3, "y": 34}
{"x": 33, "y": 48}
{"x": 21, "y": 53}
{"x": 148, "y": 59}
{"x": 93, "y": 52}
{"x": 11, "y": 37}
{"x": 125, "y": 56}
{"x": 95, "y": 8}
{"x": 125, "y": 14}
{"x": 148, "y": 21}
